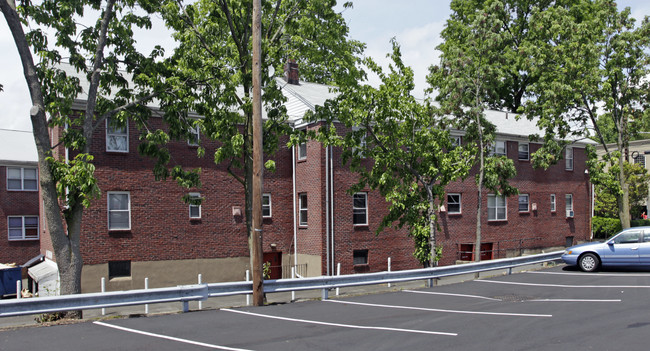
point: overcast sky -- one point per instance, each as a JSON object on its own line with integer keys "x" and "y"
{"x": 415, "y": 23}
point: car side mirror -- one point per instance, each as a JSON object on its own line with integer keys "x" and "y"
{"x": 611, "y": 242}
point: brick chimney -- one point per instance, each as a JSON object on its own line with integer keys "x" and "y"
{"x": 291, "y": 74}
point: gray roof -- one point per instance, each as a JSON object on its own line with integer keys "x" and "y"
{"x": 17, "y": 147}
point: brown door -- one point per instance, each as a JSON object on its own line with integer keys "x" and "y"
{"x": 275, "y": 259}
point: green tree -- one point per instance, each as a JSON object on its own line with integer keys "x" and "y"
{"x": 213, "y": 70}
{"x": 397, "y": 146}
{"x": 636, "y": 177}
{"x": 592, "y": 63}
{"x": 102, "y": 53}
{"x": 469, "y": 80}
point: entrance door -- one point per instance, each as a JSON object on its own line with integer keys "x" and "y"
{"x": 275, "y": 259}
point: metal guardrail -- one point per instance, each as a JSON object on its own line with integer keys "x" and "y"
{"x": 200, "y": 292}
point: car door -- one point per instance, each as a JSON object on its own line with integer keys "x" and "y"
{"x": 624, "y": 248}
{"x": 644, "y": 248}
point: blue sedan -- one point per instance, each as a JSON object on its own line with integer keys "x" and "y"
{"x": 629, "y": 248}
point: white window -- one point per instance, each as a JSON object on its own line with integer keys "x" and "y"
{"x": 195, "y": 210}
{"x": 524, "y": 203}
{"x": 499, "y": 148}
{"x": 23, "y": 227}
{"x": 194, "y": 137}
{"x": 524, "y": 154}
{"x": 497, "y": 208}
{"x": 568, "y": 155}
{"x": 453, "y": 203}
{"x": 552, "y": 202}
{"x": 302, "y": 151}
{"x": 117, "y": 137}
{"x": 119, "y": 211}
{"x": 302, "y": 205}
{"x": 456, "y": 140}
{"x": 266, "y": 205}
{"x": 360, "y": 209}
{"x": 640, "y": 159}
{"x": 19, "y": 178}
{"x": 569, "y": 205}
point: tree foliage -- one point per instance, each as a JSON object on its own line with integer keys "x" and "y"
{"x": 607, "y": 197}
{"x": 397, "y": 146}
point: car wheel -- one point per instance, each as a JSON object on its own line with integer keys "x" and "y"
{"x": 589, "y": 262}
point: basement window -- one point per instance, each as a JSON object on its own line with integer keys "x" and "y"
{"x": 119, "y": 269}
{"x": 360, "y": 257}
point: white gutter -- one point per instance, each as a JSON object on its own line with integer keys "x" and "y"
{"x": 295, "y": 229}
{"x": 331, "y": 182}
{"x": 327, "y": 213}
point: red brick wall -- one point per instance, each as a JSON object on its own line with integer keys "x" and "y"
{"x": 16, "y": 203}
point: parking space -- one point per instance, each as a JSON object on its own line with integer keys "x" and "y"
{"x": 541, "y": 310}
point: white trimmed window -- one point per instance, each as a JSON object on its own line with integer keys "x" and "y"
{"x": 195, "y": 210}
{"x": 117, "y": 137}
{"x": 640, "y": 159}
{"x": 569, "y": 205}
{"x": 553, "y": 203}
{"x": 497, "y": 208}
{"x": 524, "y": 203}
{"x": 360, "y": 209}
{"x": 302, "y": 206}
{"x": 194, "y": 137}
{"x": 499, "y": 148}
{"x": 266, "y": 206}
{"x": 568, "y": 156}
{"x": 453, "y": 204}
{"x": 23, "y": 227}
{"x": 22, "y": 178}
{"x": 524, "y": 152}
{"x": 119, "y": 210}
{"x": 456, "y": 140}
{"x": 302, "y": 151}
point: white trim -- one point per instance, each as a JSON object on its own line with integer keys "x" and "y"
{"x": 23, "y": 228}
{"x": 120, "y": 134}
{"x": 460, "y": 203}
{"x": 496, "y": 208}
{"x": 108, "y": 209}
{"x": 553, "y": 203}
{"x": 195, "y": 195}
{"x": 568, "y": 156}
{"x": 302, "y": 208}
{"x": 269, "y": 205}
{"x": 527, "y": 151}
{"x": 569, "y": 209}
{"x": 527, "y": 203}
{"x": 194, "y": 130}
{"x": 22, "y": 178}
{"x": 364, "y": 209}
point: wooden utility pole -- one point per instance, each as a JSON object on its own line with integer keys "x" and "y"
{"x": 258, "y": 158}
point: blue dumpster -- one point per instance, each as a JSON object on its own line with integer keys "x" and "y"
{"x": 8, "y": 278}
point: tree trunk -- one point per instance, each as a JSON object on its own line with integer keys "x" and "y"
{"x": 431, "y": 214}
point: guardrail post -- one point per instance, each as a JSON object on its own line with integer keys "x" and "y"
{"x": 103, "y": 287}
{"x": 19, "y": 288}
{"x": 248, "y": 296}
{"x": 146, "y": 286}
{"x": 324, "y": 294}
{"x": 509, "y": 270}
{"x": 200, "y": 302}
{"x": 389, "y": 269}
{"x": 338, "y": 272}
{"x": 293, "y": 276}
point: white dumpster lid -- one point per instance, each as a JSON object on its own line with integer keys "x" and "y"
{"x": 43, "y": 270}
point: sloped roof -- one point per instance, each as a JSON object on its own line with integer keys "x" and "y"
{"x": 17, "y": 147}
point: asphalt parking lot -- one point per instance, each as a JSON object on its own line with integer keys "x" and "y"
{"x": 549, "y": 309}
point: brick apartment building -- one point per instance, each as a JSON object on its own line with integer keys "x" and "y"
{"x": 19, "y": 211}
{"x": 140, "y": 228}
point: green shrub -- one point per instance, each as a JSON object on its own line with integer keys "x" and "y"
{"x": 639, "y": 222}
{"x": 605, "y": 227}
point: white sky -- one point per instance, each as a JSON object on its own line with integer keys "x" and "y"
{"x": 415, "y": 23}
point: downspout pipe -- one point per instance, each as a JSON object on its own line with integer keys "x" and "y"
{"x": 327, "y": 213}
{"x": 331, "y": 183}
{"x": 295, "y": 225}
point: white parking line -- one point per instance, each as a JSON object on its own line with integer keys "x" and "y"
{"x": 567, "y": 286}
{"x": 338, "y": 324}
{"x": 185, "y": 341}
{"x": 449, "y": 294}
{"x": 594, "y": 274}
{"x": 440, "y": 310}
{"x": 574, "y": 300}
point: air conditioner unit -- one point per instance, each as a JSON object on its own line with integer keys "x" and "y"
{"x": 569, "y": 214}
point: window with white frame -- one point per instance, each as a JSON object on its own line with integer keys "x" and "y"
{"x": 266, "y": 205}
{"x": 195, "y": 210}
{"x": 524, "y": 154}
{"x": 302, "y": 206}
{"x": 640, "y": 159}
{"x": 499, "y": 148}
{"x": 360, "y": 209}
{"x": 524, "y": 203}
{"x": 302, "y": 148}
{"x": 497, "y": 208}
{"x": 117, "y": 137}
{"x": 456, "y": 140}
{"x": 22, "y": 178}
{"x": 569, "y": 205}
{"x": 568, "y": 156}
{"x": 119, "y": 210}
{"x": 23, "y": 227}
{"x": 453, "y": 203}
{"x": 552, "y": 202}
{"x": 194, "y": 136}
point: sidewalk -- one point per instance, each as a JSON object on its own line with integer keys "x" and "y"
{"x": 272, "y": 298}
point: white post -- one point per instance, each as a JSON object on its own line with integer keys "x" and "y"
{"x": 248, "y": 296}
{"x": 200, "y": 302}
{"x": 103, "y": 291}
{"x": 293, "y": 276}
{"x": 19, "y": 288}
{"x": 389, "y": 269}
{"x": 146, "y": 286}
{"x": 338, "y": 272}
